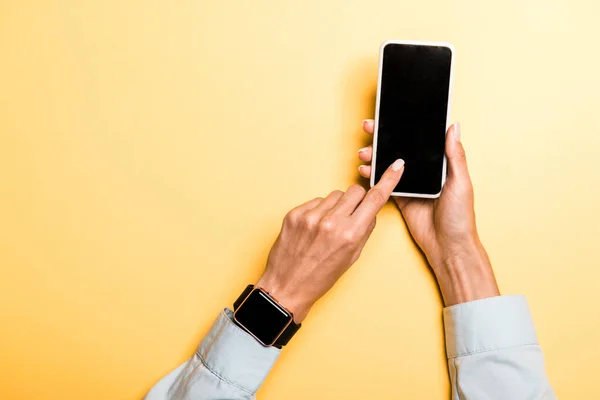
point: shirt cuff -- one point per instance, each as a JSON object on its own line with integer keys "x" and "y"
{"x": 488, "y": 324}
{"x": 234, "y": 356}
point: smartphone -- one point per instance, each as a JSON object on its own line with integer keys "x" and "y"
{"x": 412, "y": 114}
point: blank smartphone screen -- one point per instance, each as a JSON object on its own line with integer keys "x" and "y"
{"x": 413, "y": 107}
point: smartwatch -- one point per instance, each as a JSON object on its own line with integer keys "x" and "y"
{"x": 259, "y": 314}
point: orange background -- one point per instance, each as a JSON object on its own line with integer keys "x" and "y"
{"x": 149, "y": 149}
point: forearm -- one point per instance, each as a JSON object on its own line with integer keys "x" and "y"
{"x": 491, "y": 342}
{"x": 465, "y": 274}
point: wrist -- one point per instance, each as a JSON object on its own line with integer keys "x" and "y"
{"x": 291, "y": 299}
{"x": 465, "y": 274}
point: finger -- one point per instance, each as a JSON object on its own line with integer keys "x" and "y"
{"x": 365, "y": 154}
{"x": 309, "y": 205}
{"x": 349, "y": 201}
{"x": 365, "y": 171}
{"x": 298, "y": 212}
{"x": 327, "y": 204}
{"x": 368, "y": 126}
{"x": 379, "y": 194}
{"x": 455, "y": 152}
{"x": 364, "y": 240}
{"x": 402, "y": 201}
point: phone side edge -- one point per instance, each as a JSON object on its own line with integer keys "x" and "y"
{"x": 376, "y": 116}
{"x": 417, "y": 195}
{"x": 448, "y": 116}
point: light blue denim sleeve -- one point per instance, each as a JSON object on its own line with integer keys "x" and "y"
{"x": 493, "y": 351}
{"x": 228, "y": 364}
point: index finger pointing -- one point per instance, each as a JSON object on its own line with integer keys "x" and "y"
{"x": 379, "y": 194}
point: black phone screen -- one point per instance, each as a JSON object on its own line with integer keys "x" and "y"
{"x": 413, "y": 106}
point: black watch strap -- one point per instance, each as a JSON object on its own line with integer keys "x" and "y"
{"x": 242, "y": 297}
{"x": 286, "y": 335}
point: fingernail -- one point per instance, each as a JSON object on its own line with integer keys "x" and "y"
{"x": 397, "y": 165}
{"x": 364, "y": 121}
{"x": 360, "y": 168}
{"x": 456, "y": 131}
{"x": 363, "y": 149}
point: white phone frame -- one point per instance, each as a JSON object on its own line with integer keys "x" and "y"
{"x": 373, "y": 163}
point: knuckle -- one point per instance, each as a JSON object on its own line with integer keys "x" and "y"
{"x": 310, "y": 220}
{"x": 336, "y": 193}
{"x": 293, "y": 216}
{"x": 350, "y": 236}
{"x": 359, "y": 190}
{"x": 327, "y": 224}
{"x": 458, "y": 153}
{"x": 376, "y": 196}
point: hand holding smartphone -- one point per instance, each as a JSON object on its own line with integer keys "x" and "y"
{"x": 412, "y": 114}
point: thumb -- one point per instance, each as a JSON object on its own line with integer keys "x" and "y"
{"x": 457, "y": 161}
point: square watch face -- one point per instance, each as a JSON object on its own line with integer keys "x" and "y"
{"x": 262, "y": 317}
